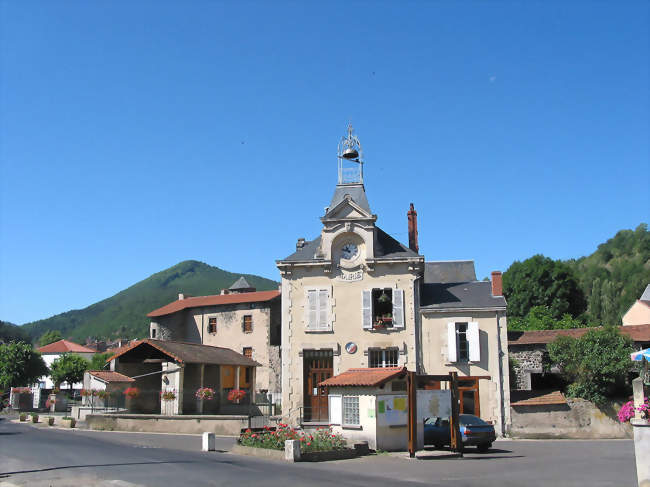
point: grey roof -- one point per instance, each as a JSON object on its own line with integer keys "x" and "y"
{"x": 240, "y": 283}
{"x": 646, "y": 294}
{"x": 385, "y": 247}
{"x": 476, "y": 294}
{"x": 356, "y": 191}
{"x": 307, "y": 252}
{"x": 449, "y": 271}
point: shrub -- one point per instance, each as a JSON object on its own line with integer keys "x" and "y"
{"x": 322, "y": 440}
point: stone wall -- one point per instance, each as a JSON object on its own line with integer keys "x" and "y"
{"x": 529, "y": 359}
{"x": 220, "y": 425}
{"x": 578, "y": 419}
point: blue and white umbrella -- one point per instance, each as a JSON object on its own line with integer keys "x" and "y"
{"x": 640, "y": 355}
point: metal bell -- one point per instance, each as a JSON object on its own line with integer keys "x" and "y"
{"x": 350, "y": 153}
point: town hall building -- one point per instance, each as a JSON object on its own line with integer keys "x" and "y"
{"x": 355, "y": 297}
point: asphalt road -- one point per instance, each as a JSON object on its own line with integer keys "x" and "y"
{"x": 41, "y": 456}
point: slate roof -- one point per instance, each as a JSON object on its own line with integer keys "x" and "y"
{"x": 64, "y": 346}
{"x": 191, "y": 353}
{"x": 240, "y": 283}
{"x": 646, "y": 294}
{"x": 366, "y": 377}
{"x": 385, "y": 247}
{"x": 443, "y": 272}
{"x": 220, "y": 299}
{"x": 356, "y": 191}
{"x": 476, "y": 294}
{"x": 638, "y": 333}
{"x": 110, "y": 376}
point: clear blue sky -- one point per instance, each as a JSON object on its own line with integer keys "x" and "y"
{"x": 135, "y": 135}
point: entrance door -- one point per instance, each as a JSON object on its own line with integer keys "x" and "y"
{"x": 469, "y": 397}
{"x": 317, "y": 368}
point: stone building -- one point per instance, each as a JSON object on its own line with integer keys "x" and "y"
{"x": 240, "y": 318}
{"x": 355, "y": 297}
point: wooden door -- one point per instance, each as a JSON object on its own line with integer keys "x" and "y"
{"x": 318, "y": 367}
{"x": 469, "y": 397}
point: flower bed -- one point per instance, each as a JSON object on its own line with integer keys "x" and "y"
{"x": 627, "y": 410}
{"x": 321, "y": 440}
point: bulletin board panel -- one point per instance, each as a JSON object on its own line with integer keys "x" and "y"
{"x": 392, "y": 410}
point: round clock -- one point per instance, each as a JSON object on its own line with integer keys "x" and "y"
{"x": 349, "y": 251}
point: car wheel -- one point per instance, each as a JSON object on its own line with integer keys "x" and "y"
{"x": 484, "y": 447}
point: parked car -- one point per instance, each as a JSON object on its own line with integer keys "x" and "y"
{"x": 473, "y": 430}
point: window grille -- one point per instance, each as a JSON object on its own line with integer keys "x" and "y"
{"x": 388, "y": 357}
{"x": 212, "y": 325}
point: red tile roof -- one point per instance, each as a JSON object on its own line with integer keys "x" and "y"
{"x": 638, "y": 333}
{"x": 235, "y": 298}
{"x": 544, "y": 398}
{"x": 110, "y": 376}
{"x": 63, "y": 346}
{"x": 369, "y": 377}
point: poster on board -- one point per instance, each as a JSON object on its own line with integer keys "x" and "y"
{"x": 434, "y": 403}
{"x": 392, "y": 410}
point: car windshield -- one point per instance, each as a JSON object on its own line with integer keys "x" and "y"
{"x": 466, "y": 419}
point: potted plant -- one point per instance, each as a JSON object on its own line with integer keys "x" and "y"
{"x": 68, "y": 422}
{"x": 167, "y": 395}
{"x": 50, "y": 421}
{"x": 23, "y": 417}
{"x": 131, "y": 394}
{"x": 34, "y": 417}
{"x": 236, "y": 395}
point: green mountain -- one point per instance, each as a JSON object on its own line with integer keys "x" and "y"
{"x": 124, "y": 314}
{"x": 615, "y": 275}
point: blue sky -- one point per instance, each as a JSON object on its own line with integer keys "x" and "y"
{"x": 135, "y": 135}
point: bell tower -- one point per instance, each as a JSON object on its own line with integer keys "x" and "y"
{"x": 350, "y": 157}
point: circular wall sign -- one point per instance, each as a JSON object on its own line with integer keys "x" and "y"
{"x": 351, "y": 347}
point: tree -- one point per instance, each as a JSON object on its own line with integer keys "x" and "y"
{"x": 541, "y": 318}
{"x": 69, "y": 368}
{"x": 50, "y": 337}
{"x": 594, "y": 363}
{"x": 540, "y": 281}
{"x": 12, "y": 333}
{"x": 99, "y": 360}
{"x": 20, "y": 365}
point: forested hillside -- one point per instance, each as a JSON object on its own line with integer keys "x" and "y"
{"x": 124, "y": 314}
{"x": 594, "y": 290}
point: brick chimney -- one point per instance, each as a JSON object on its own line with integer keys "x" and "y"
{"x": 497, "y": 283}
{"x": 413, "y": 229}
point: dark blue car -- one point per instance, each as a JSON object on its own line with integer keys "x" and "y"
{"x": 473, "y": 430}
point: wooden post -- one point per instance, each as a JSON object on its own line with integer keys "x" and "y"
{"x": 412, "y": 413}
{"x": 200, "y": 411}
{"x": 454, "y": 426}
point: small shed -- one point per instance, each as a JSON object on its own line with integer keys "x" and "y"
{"x": 371, "y": 404}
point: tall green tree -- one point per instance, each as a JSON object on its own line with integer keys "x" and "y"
{"x": 50, "y": 337}
{"x": 541, "y": 318}
{"x": 20, "y": 365}
{"x": 99, "y": 360}
{"x": 12, "y": 333}
{"x": 594, "y": 363}
{"x": 69, "y": 368}
{"x": 540, "y": 281}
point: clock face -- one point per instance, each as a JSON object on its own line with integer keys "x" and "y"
{"x": 349, "y": 251}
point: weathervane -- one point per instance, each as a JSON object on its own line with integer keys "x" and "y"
{"x": 350, "y": 157}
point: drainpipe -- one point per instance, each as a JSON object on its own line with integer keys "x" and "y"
{"x": 502, "y": 401}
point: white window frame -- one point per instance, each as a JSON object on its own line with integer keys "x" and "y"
{"x": 344, "y": 421}
{"x": 472, "y": 336}
{"x": 323, "y": 311}
{"x": 398, "y": 314}
{"x": 384, "y": 352}
{"x": 335, "y": 408}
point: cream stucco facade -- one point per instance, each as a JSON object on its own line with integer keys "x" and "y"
{"x": 355, "y": 297}
{"x": 638, "y": 314}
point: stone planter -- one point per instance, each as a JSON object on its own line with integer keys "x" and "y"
{"x": 50, "y": 421}
{"x": 34, "y": 418}
{"x": 68, "y": 422}
{"x": 315, "y": 456}
{"x": 23, "y": 417}
{"x": 329, "y": 455}
{"x": 641, "y": 448}
{"x": 258, "y": 452}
